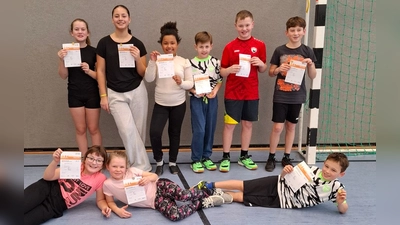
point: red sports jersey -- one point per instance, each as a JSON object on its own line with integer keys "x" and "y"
{"x": 242, "y": 88}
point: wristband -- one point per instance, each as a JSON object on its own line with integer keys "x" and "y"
{"x": 103, "y": 95}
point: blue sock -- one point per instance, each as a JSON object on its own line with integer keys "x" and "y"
{"x": 210, "y": 185}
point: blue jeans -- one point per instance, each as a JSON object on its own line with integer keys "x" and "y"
{"x": 204, "y": 121}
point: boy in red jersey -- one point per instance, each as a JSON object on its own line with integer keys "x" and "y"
{"x": 242, "y": 60}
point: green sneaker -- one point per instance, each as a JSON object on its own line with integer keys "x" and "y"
{"x": 200, "y": 186}
{"x": 225, "y": 165}
{"x": 197, "y": 167}
{"x": 247, "y": 162}
{"x": 209, "y": 164}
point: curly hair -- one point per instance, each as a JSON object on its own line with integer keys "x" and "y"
{"x": 169, "y": 28}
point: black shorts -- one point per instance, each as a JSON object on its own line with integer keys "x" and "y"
{"x": 236, "y": 110}
{"x": 87, "y": 101}
{"x": 261, "y": 192}
{"x": 283, "y": 111}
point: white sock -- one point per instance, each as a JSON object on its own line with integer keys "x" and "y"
{"x": 172, "y": 164}
{"x": 160, "y": 163}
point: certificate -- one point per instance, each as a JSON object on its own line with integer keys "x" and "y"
{"x": 244, "y": 62}
{"x": 134, "y": 192}
{"x": 165, "y": 65}
{"x": 296, "y": 72}
{"x": 73, "y": 57}
{"x": 300, "y": 175}
{"x": 126, "y": 60}
{"x": 70, "y": 165}
{"x": 202, "y": 83}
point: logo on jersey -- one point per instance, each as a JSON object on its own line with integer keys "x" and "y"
{"x": 253, "y": 49}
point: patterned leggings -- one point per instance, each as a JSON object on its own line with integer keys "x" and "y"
{"x": 168, "y": 192}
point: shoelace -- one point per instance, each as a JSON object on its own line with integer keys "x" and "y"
{"x": 207, "y": 202}
{"x": 197, "y": 164}
{"x": 247, "y": 158}
{"x": 223, "y": 160}
{"x": 205, "y": 99}
{"x": 218, "y": 191}
{"x": 289, "y": 159}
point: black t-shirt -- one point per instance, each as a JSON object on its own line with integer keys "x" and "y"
{"x": 119, "y": 79}
{"x": 284, "y": 92}
{"x": 78, "y": 81}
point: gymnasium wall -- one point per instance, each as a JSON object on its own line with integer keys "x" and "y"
{"x": 48, "y": 123}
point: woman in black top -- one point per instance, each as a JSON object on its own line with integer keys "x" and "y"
{"x": 122, "y": 91}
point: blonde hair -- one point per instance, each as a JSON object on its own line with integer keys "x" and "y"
{"x": 243, "y": 14}
{"x": 117, "y": 154}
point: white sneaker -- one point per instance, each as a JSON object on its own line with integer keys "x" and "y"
{"x": 227, "y": 197}
{"x": 213, "y": 200}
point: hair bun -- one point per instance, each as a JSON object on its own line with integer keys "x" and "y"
{"x": 169, "y": 26}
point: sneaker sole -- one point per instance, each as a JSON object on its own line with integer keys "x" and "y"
{"x": 197, "y": 171}
{"x": 211, "y": 169}
{"x": 241, "y": 164}
{"x": 224, "y": 170}
{"x": 269, "y": 170}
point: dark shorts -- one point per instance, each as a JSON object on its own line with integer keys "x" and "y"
{"x": 87, "y": 101}
{"x": 236, "y": 110}
{"x": 282, "y": 112}
{"x": 261, "y": 192}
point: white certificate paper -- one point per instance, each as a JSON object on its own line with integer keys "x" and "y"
{"x": 73, "y": 57}
{"x": 202, "y": 83}
{"x": 126, "y": 60}
{"x": 165, "y": 65}
{"x": 296, "y": 73}
{"x": 244, "y": 62}
{"x": 300, "y": 175}
{"x": 70, "y": 165}
{"x": 134, "y": 192}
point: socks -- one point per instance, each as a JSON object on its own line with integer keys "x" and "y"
{"x": 162, "y": 163}
{"x": 226, "y": 155}
{"x": 271, "y": 156}
{"x": 286, "y": 155}
{"x": 210, "y": 185}
{"x": 243, "y": 152}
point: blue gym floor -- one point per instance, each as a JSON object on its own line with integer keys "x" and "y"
{"x": 359, "y": 181}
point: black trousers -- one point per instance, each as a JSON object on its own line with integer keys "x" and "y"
{"x": 42, "y": 201}
{"x": 174, "y": 115}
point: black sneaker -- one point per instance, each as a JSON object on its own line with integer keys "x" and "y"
{"x": 286, "y": 161}
{"x": 270, "y": 166}
{"x": 173, "y": 169}
{"x": 160, "y": 169}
